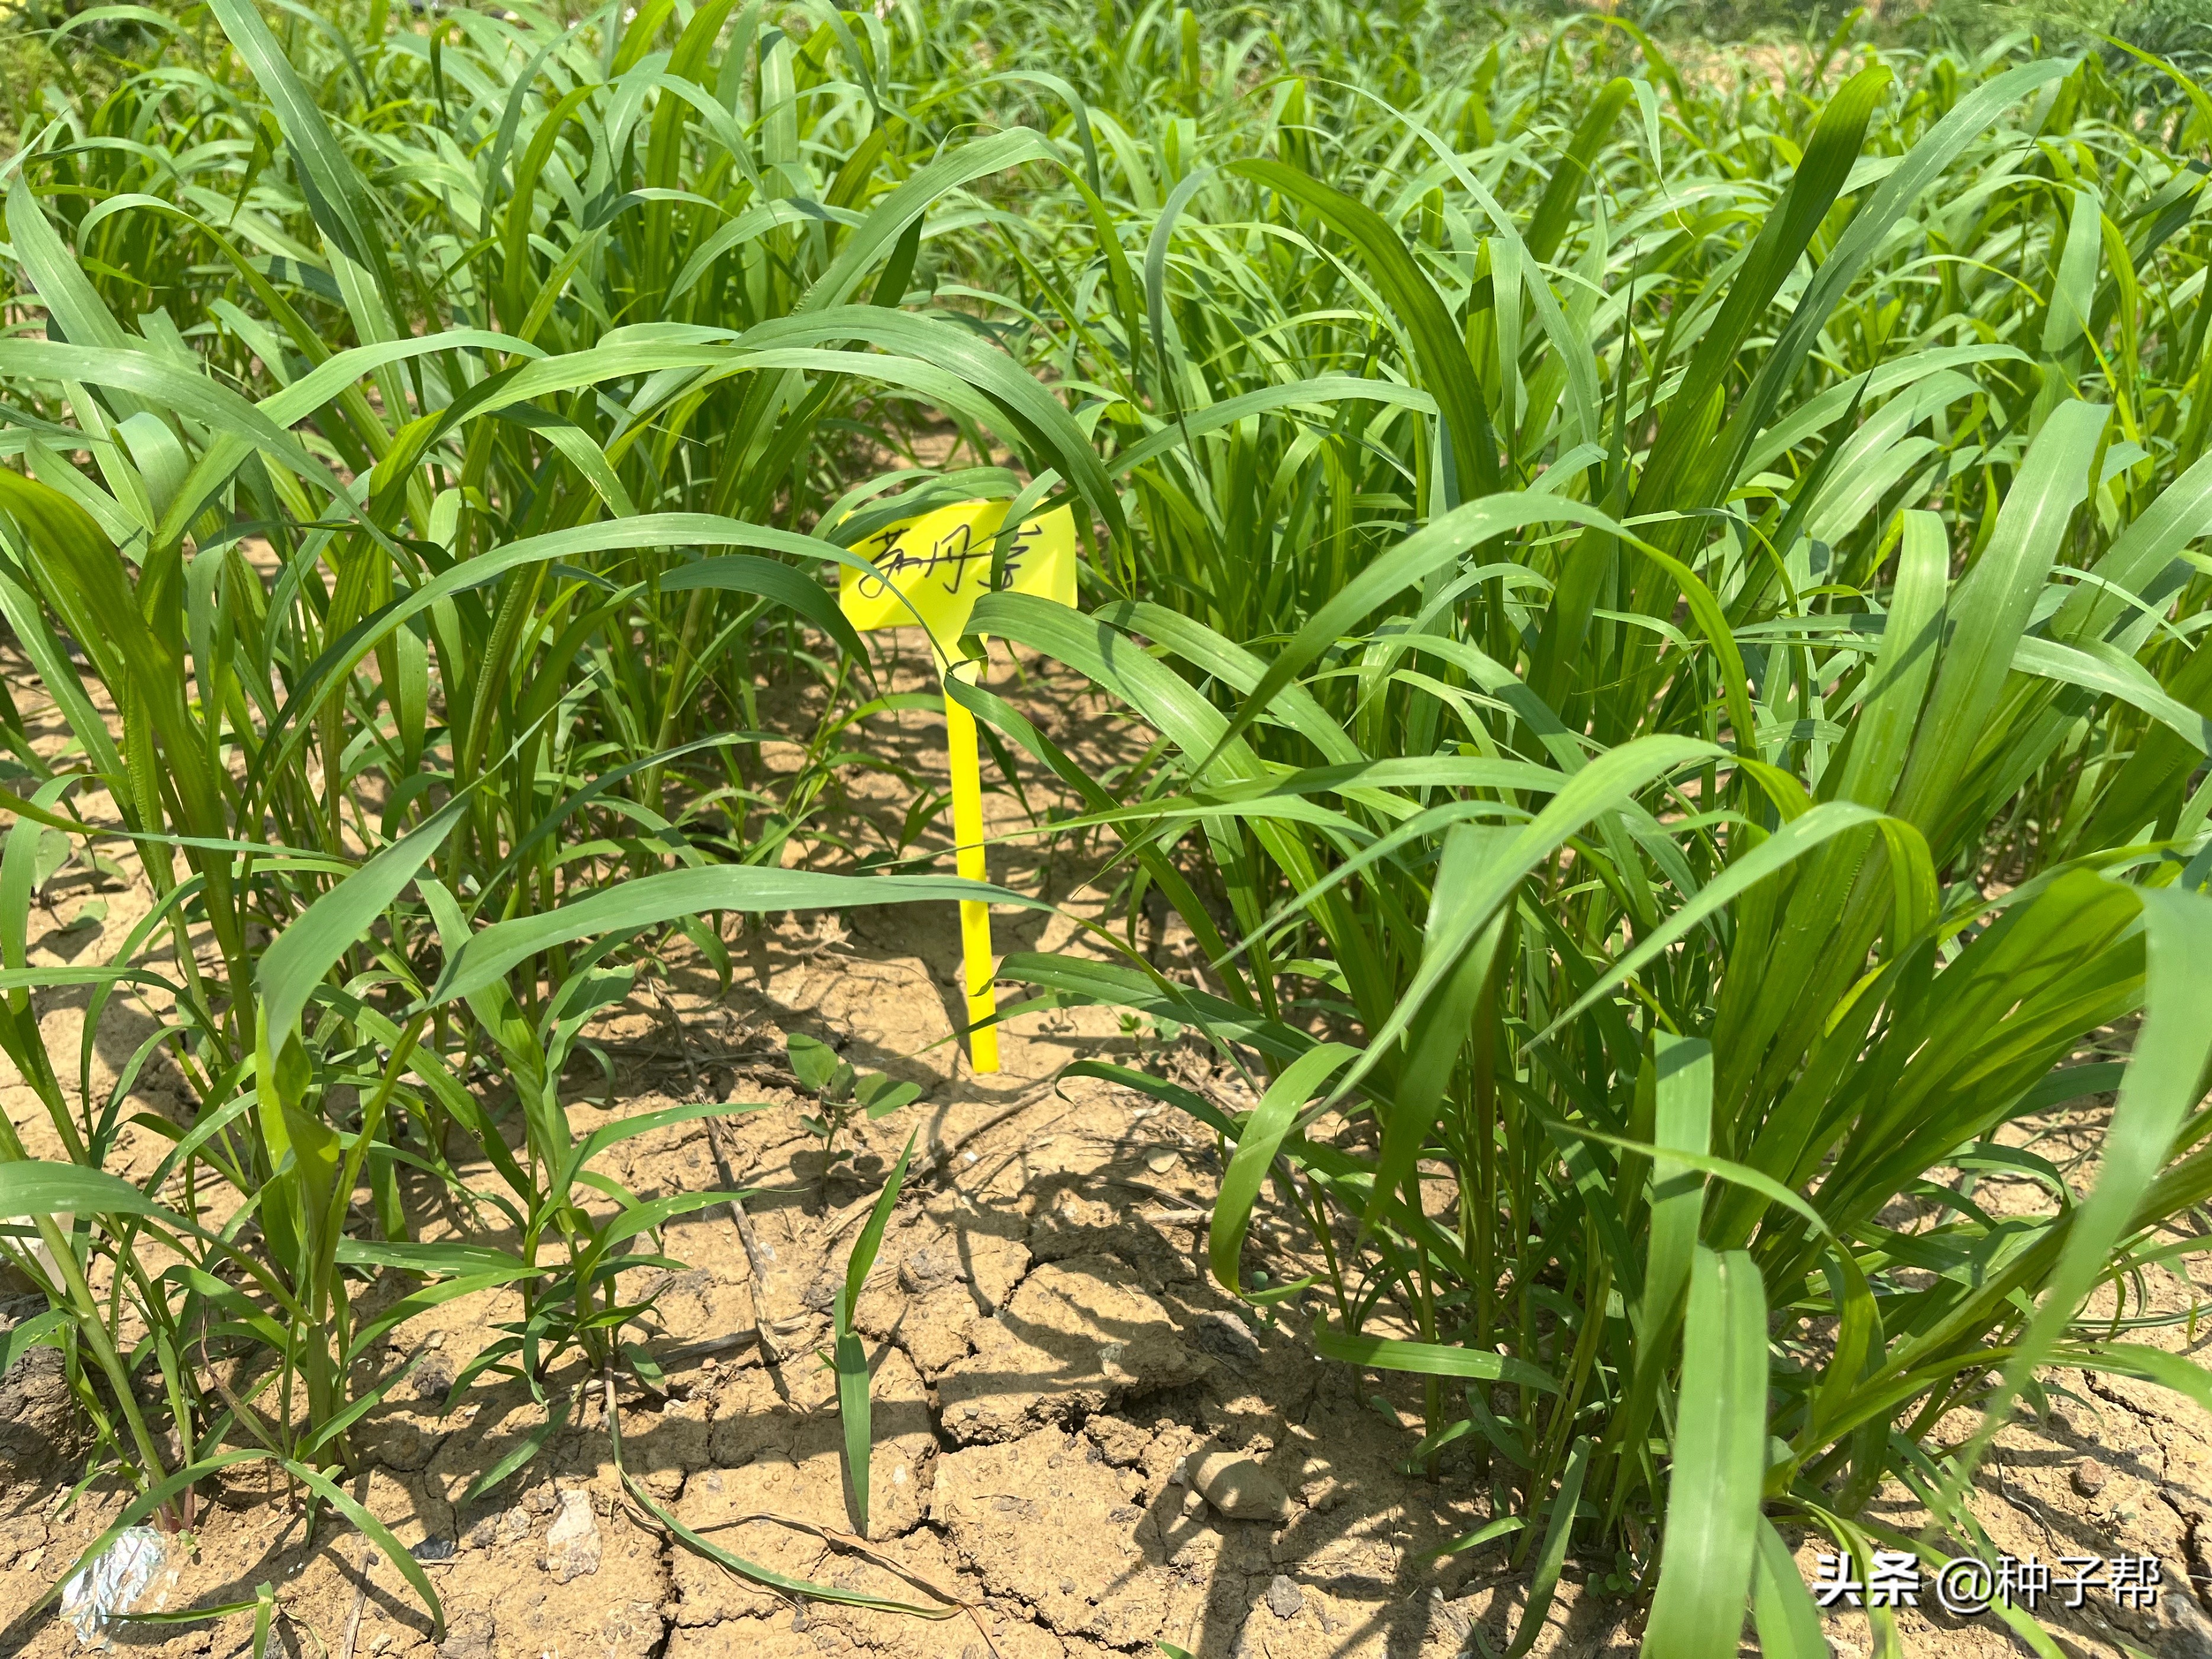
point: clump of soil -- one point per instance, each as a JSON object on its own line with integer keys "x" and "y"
{"x": 41, "y": 1434}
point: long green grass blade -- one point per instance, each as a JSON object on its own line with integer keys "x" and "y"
{"x": 1720, "y": 1444}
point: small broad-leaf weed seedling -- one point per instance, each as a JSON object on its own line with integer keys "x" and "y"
{"x": 842, "y": 1094}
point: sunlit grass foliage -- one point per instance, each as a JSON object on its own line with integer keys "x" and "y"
{"x": 1667, "y": 592}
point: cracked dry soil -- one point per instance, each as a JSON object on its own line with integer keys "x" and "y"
{"x": 1051, "y": 1371}
{"x": 1075, "y": 1432}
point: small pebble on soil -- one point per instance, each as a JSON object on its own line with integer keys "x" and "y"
{"x": 572, "y": 1543}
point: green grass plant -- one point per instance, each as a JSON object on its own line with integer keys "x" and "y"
{"x": 378, "y": 556}
{"x": 1675, "y": 642}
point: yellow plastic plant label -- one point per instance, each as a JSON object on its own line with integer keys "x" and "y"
{"x": 941, "y": 562}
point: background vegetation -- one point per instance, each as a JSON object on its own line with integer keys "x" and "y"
{"x": 1664, "y": 579}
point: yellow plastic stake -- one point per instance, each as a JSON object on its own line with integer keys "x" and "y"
{"x": 979, "y": 968}
{"x": 929, "y": 571}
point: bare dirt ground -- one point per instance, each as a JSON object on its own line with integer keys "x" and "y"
{"x": 1078, "y": 1437}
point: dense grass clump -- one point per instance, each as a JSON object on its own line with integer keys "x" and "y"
{"x": 389, "y": 399}
{"x": 1666, "y": 589}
